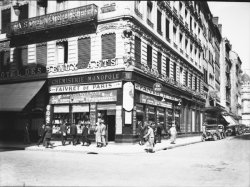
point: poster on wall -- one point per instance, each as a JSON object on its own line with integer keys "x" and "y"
{"x": 128, "y": 96}
{"x": 128, "y": 117}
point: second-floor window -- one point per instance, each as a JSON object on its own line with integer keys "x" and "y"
{"x": 167, "y": 66}
{"x": 186, "y": 45}
{"x": 159, "y": 21}
{"x": 174, "y": 71}
{"x": 181, "y": 75}
{"x": 191, "y": 81}
{"x": 181, "y": 41}
{"x": 20, "y": 57}
{"x": 138, "y": 6}
{"x": 137, "y": 50}
{"x": 41, "y": 53}
{"x": 149, "y": 10}
{"x": 109, "y": 46}
{"x": 186, "y": 76}
{"x": 62, "y": 52}
{"x": 149, "y": 56}
{"x": 6, "y": 18}
{"x": 84, "y": 52}
{"x": 159, "y": 57}
{"x": 167, "y": 28}
{"x": 24, "y": 12}
{"x": 174, "y": 34}
{"x": 4, "y": 60}
{"x": 61, "y": 5}
{"x": 195, "y": 83}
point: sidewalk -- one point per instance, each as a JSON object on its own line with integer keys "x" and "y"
{"x": 111, "y": 148}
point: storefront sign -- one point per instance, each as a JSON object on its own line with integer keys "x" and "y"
{"x": 74, "y": 67}
{"x": 86, "y": 97}
{"x": 114, "y": 76}
{"x": 82, "y": 88}
{"x": 152, "y": 92}
{"x": 152, "y": 101}
{"x": 128, "y": 96}
{"x": 157, "y": 87}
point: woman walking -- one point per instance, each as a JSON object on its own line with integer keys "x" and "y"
{"x": 150, "y": 135}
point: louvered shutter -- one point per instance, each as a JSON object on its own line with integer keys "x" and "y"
{"x": 6, "y": 17}
{"x": 159, "y": 56}
{"x": 108, "y": 46}
{"x": 24, "y": 14}
{"x": 137, "y": 50}
{"x": 41, "y": 53}
{"x": 84, "y": 52}
{"x": 149, "y": 56}
{"x": 167, "y": 66}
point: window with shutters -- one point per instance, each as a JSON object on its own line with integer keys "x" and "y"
{"x": 167, "y": 66}
{"x": 24, "y": 12}
{"x": 84, "y": 52}
{"x": 149, "y": 56}
{"x": 4, "y": 60}
{"x": 137, "y": 50}
{"x": 167, "y": 29}
{"x": 20, "y": 56}
{"x": 159, "y": 22}
{"x": 186, "y": 78}
{"x": 159, "y": 56}
{"x": 41, "y": 53}
{"x": 174, "y": 72}
{"x": 174, "y": 34}
{"x": 62, "y": 52}
{"x": 181, "y": 75}
{"x": 6, "y": 18}
{"x": 180, "y": 40}
{"x": 109, "y": 46}
{"x": 191, "y": 81}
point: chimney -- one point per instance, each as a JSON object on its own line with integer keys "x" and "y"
{"x": 216, "y": 20}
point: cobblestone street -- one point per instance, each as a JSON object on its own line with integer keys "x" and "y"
{"x": 219, "y": 163}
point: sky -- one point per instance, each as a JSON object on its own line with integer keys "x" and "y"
{"x": 235, "y": 20}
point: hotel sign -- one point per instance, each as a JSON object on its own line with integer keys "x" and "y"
{"x": 152, "y": 92}
{"x": 85, "y": 97}
{"x": 58, "y": 19}
{"x": 84, "y": 88}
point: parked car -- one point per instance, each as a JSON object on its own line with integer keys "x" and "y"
{"x": 211, "y": 132}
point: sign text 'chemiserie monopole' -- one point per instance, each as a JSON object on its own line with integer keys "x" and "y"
{"x": 81, "y": 88}
{"x": 85, "y": 97}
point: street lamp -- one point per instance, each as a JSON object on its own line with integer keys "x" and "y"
{"x": 179, "y": 104}
{"x": 16, "y": 8}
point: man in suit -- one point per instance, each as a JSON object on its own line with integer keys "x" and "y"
{"x": 63, "y": 130}
{"x": 41, "y": 133}
{"x": 48, "y": 135}
{"x": 73, "y": 132}
{"x": 85, "y": 132}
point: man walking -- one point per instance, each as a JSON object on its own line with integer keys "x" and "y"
{"x": 48, "y": 135}
{"x": 73, "y": 132}
{"x": 158, "y": 133}
{"x": 85, "y": 132}
{"x": 63, "y": 130}
{"x": 41, "y": 133}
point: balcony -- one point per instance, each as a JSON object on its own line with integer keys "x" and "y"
{"x": 150, "y": 23}
{"x": 78, "y": 15}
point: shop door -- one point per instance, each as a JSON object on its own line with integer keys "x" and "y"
{"x": 111, "y": 127}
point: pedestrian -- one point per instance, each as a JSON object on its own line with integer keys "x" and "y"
{"x": 150, "y": 135}
{"x": 26, "y": 134}
{"x": 173, "y": 134}
{"x": 98, "y": 133}
{"x": 141, "y": 131}
{"x": 85, "y": 132}
{"x": 63, "y": 130}
{"x": 48, "y": 135}
{"x": 41, "y": 133}
{"x": 103, "y": 133}
{"x": 73, "y": 132}
{"x": 158, "y": 133}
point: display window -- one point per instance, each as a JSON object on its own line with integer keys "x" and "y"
{"x": 151, "y": 114}
{"x": 139, "y": 114}
{"x": 80, "y": 115}
{"x": 161, "y": 116}
{"x": 61, "y": 114}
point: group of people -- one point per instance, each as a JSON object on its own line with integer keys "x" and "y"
{"x": 152, "y": 134}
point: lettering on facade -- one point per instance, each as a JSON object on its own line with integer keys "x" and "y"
{"x": 152, "y": 101}
{"x": 74, "y": 67}
{"x": 81, "y": 88}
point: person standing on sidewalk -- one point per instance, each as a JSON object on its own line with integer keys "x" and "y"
{"x": 150, "y": 135}
{"x": 103, "y": 133}
{"x": 158, "y": 132}
{"x": 141, "y": 131}
{"x": 85, "y": 132}
{"x": 173, "y": 134}
{"x": 73, "y": 132}
{"x": 63, "y": 130}
{"x": 48, "y": 135}
{"x": 98, "y": 133}
{"x": 41, "y": 133}
{"x": 26, "y": 134}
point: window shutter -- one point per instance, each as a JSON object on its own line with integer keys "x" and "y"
{"x": 174, "y": 72}
{"x": 41, "y": 54}
{"x": 84, "y": 52}
{"x": 167, "y": 29}
{"x": 24, "y": 13}
{"x": 137, "y": 50}
{"x": 6, "y": 16}
{"x": 108, "y": 46}
{"x": 159, "y": 55}
{"x": 24, "y": 56}
{"x": 149, "y": 56}
{"x": 167, "y": 66}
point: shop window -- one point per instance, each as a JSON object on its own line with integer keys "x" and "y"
{"x": 151, "y": 114}
{"x": 167, "y": 66}
{"x": 159, "y": 56}
{"x": 140, "y": 112}
{"x": 137, "y": 50}
{"x": 6, "y": 18}
{"x": 167, "y": 29}
{"x": 60, "y": 114}
{"x": 24, "y": 12}
{"x": 84, "y": 52}
{"x": 41, "y": 53}
{"x": 149, "y": 56}
{"x": 174, "y": 71}
{"x": 4, "y": 60}
{"x": 108, "y": 46}
{"x": 62, "y": 52}
{"x": 80, "y": 113}
{"x": 159, "y": 15}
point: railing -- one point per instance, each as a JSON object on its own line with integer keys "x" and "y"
{"x": 54, "y": 20}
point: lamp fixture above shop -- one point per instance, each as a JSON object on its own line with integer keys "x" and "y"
{"x": 179, "y": 104}
{"x": 16, "y": 7}
{"x": 163, "y": 99}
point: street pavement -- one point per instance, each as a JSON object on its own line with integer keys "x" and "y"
{"x": 223, "y": 163}
{"x": 111, "y": 148}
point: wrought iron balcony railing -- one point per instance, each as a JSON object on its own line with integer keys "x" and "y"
{"x": 54, "y": 20}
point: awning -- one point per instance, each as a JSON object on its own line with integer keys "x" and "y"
{"x": 14, "y": 97}
{"x": 230, "y": 120}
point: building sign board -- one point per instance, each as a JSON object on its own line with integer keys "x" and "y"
{"x": 150, "y": 91}
{"x": 152, "y": 101}
{"x": 86, "y": 97}
{"x": 84, "y": 88}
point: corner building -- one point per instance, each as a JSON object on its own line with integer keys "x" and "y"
{"x": 90, "y": 59}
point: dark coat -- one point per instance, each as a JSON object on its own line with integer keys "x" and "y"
{"x": 48, "y": 132}
{"x": 40, "y": 131}
{"x": 85, "y": 131}
{"x": 159, "y": 129}
{"x": 63, "y": 128}
{"x": 73, "y": 129}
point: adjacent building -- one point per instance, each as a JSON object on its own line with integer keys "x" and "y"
{"x": 245, "y": 96}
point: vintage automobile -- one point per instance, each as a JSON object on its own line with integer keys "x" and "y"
{"x": 211, "y": 132}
